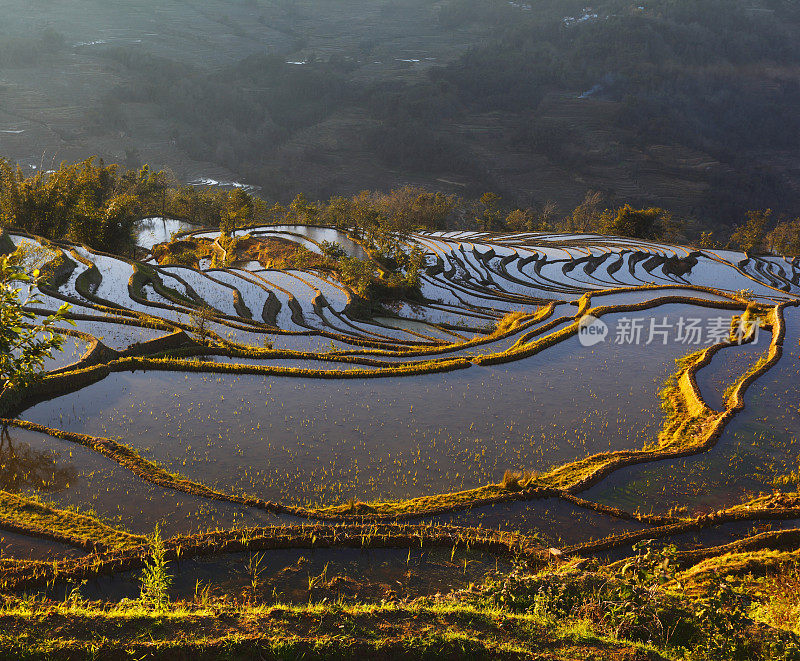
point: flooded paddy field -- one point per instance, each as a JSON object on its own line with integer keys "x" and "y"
{"x": 226, "y": 398}
{"x": 557, "y": 522}
{"x": 69, "y": 475}
{"x": 291, "y": 576}
{"x": 321, "y": 441}
{"x": 757, "y": 452}
{"x": 15, "y": 545}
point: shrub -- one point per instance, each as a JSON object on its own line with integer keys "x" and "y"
{"x": 155, "y": 581}
{"x": 201, "y": 320}
{"x": 332, "y": 249}
{"x": 509, "y": 321}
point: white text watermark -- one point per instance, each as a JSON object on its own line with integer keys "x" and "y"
{"x": 690, "y": 331}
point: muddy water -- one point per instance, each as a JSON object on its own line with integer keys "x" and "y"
{"x": 293, "y": 439}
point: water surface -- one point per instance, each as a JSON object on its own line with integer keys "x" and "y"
{"x": 298, "y": 439}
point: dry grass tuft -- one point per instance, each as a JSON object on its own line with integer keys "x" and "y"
{"x": 517, "y": 480}
{"x": 510, "y": 320}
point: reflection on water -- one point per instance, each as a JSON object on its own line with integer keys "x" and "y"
{"x": 293, "y": 439}
{"x": 117, "y": 495}
{"x": 23, "y": 468}
{"x": 316, "y": 234}
{"x": 727, "y": 366}
{"x": 301, "y": 575}
{"x": 71, "y": 352}
{"x": 152, "y": 231}
{"x": 758, "y": 447}
{"x": 320, "y": 234}
{"x": 557, "y": 522}
{"x": 13, "y": 545}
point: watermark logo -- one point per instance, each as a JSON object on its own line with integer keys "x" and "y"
{"x": 682, "y": 330}
{"x": 592, "y": 331}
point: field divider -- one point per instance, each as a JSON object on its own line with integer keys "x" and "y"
{"x": 570, "y": 478}
{"x": 701, "y": 522}
{"x": 27, "y": 516}
{"x": 524, "y": 348}
{"x": 25, "y": 575}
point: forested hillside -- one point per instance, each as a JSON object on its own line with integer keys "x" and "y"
{"x": 689, "y": 105}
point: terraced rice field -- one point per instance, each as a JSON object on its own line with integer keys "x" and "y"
{"x": 546, "y": 355}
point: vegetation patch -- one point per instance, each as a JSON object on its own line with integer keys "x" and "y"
{"x": 31, "y": 517}
{"x": 656, "y": 603}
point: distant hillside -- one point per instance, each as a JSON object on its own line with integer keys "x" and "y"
{"x": 687, "y": 104}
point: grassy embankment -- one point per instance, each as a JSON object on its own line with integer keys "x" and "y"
{"x": 734, "y": 607}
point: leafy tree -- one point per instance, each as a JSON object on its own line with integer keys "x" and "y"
{"x": 751, "y": 235}
{"x": 412, "y": 208}
{"x": 412, "y": 267}
{"x": 302, "y": 211}
{"x": 275, "y": 214}
{"x": 237, "y": 211}
{"x": 84, "y": 202}
{"x": 119, "y": 216}
{"x": 333, "y": 250}
{"x": 490, "y": 217}
{"x": 153, "y": 187}
{"x": 366, "y": 217}
{"x": 707, "y": 240}
{"x": 357, "y": 274}
{"x": 338, "y": 212}
{"x": 784, "y": 239}
{"x": 587, "y": 216}
{"x": 636, "y": 223}
{"x": 24, "y": 345}
{"x": 546, "y": 216}
{"x": 670, "y": 228}
{"x": 521, "y": 219}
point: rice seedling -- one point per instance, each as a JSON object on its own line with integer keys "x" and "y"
{"x": 350, "y": 462}
{"x": 255, "y": 569}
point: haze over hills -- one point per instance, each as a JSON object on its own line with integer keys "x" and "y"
{"x": 684, "y": 104}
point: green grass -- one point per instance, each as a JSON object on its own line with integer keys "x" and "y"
{"x": 561, "y": 613}
{"x": 429, "y": 629}
{"x": 29, "y": 515}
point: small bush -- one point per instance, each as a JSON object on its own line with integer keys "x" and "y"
{"x": 333, "y": 250}
{"x": 780, "y": 593}
{"x": 155, "y": 581}
{"x": 201, "y": 321}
